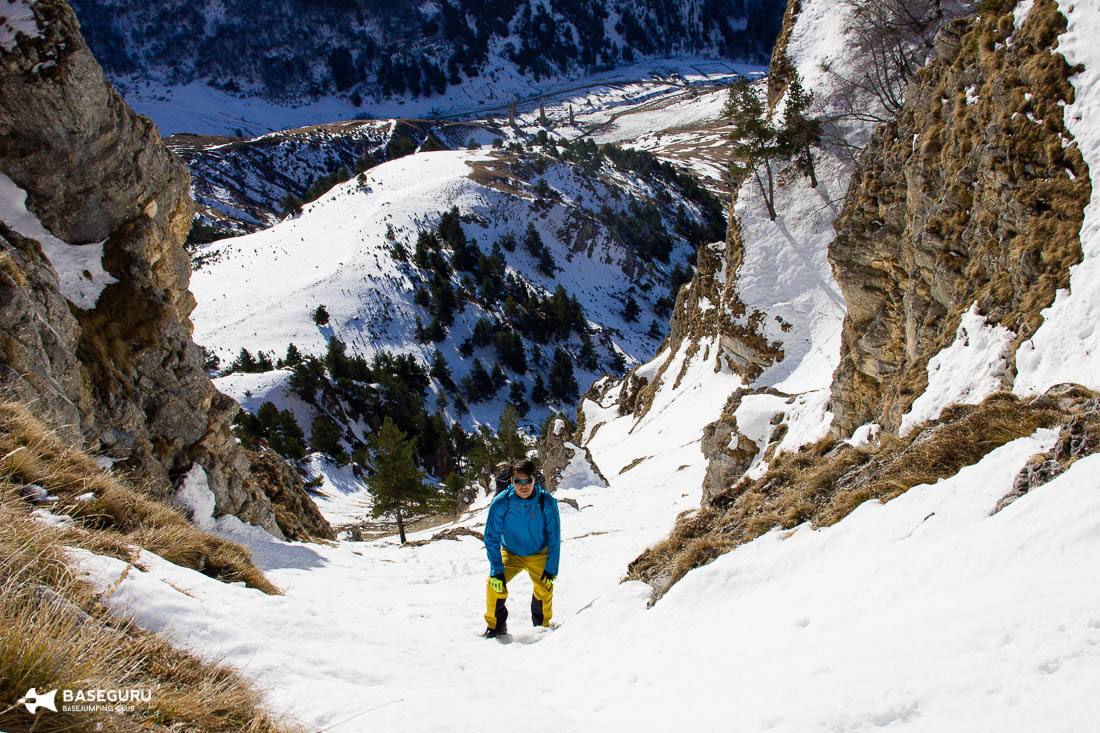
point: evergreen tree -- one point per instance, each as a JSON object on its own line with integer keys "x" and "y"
{"x": 325, "y": 438}
{"x": 396, "y": 483}
{"x": 477, "y": 385}
{"x": 291, "y": 205}
{"x": 517, "y": 399}
{"x": 320, "y": 316}
{"x": 587, "y": 355}
{"x": 547, "y": 266}
{"x": 563, "y": 385}
{"x": 263, "y": 362}
{"x": 631, "y": 310}
{"x": 440, "y": 371}
{"x": 244, "y": 362}
{"x": 455, "y": 496}
{"x": 532, "y": 240}
{"x": 293, "y": 356}
{"x": 654, "y": 330}
{"x": 539, "y": 395}
{"x": 618, "y": 363}
{"x": 499, "y": 380}
{"x": 800, "y": 132}
{"x": 757, "y": 141}
{"x": 508, "y": 435}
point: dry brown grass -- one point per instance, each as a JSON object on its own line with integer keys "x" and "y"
{"x": 55, "y": 635}
{"x": 824, "y": 482}
{"x": 117, "y": 515}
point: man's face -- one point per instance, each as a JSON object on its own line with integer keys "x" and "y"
{"x": 525, "y": 485}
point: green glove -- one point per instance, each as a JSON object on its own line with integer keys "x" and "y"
{"x": 496, "y": 582}
{"x": 548, "y": 579}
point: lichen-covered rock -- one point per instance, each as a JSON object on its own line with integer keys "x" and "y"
{"x": 975, "y": 193}
{"x": 120, "y": 373}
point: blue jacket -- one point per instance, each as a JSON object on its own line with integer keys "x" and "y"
{"x": 523, "y": 528}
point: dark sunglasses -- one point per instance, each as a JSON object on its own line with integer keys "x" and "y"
{"x": 522, "y": 481}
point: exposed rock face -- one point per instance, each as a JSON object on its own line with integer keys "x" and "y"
{"x": 708, "y": 306}
{"x": 728, "y": 453}
{"x": 1079, "y": 437}
{"x": 123, "y": 376}
{"x": 297, "y": 515}
{"x": 560, "y": 448}
{"x": 973, "y": 194}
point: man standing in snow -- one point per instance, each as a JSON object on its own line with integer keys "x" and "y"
{"x": 523, "y": 532}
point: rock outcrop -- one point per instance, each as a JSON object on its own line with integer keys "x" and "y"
{"x": 562, "y": 457}
{"x": 975, "y": 193}
{"x": 118, "y": 372}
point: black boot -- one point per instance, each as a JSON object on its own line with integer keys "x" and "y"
{"x": 500, "y": 630}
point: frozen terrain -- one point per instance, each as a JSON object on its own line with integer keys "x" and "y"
{"x": 907, "y": 616}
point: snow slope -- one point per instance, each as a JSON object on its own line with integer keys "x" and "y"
{"x": 908, "y": 616}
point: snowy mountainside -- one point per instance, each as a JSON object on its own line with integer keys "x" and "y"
{"x": 577, "y": 228}
{"x": 764, "y": 305}
{"x": 237, "y": 184}
{"x": 830, "y": 613}
{"x": 926, "y": 266}
{"x": 356, "y": 55}
{"x": 240, "y": 185}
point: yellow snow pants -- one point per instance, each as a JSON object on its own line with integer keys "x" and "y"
{"x": 541, "y": 608}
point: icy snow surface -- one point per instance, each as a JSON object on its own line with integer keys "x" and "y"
{"x": 195, "y": 496}
{"x": 1066, "y": 348}
{"x": 974, "y": 366}
{"x": 79, "y": 267}
{"x": 922, "y": 614}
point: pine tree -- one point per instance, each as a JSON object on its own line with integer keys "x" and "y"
{"x": 325, "y": 438}
{"x": 320, "y": 315}
{"x": 396, "y": 483}
{"x": 454, "y": 493}
{"x": 244, "y": 362}
{"x": 499, "y": 380}
{"x": 440, "y": 370}
{"x": 631, "y": 310}
{"x": 532, "y": 240}
{"x": 563, "y": 385}
{"x": 517, "y": 399}
{"x": 511, "y": 442}
{"x": 293, "y": 356}
{"x": 587, "y": 355}
{"x": 539, "y": 395}
{"x": 800, "y": 132}
{"x": 757, "y": 141}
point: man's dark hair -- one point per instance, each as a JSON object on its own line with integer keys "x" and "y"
{"x": 526, "y": 468}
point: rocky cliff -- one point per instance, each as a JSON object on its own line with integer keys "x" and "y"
{"x": 974, "y": 194}
{"x": 946, "y": 236}
{"x": 94, "y": 301}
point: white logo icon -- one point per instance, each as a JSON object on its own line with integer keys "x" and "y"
{"x": 33, "y": 701}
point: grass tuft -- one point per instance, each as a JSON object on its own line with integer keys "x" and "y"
{"x": 826, "y": 481}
